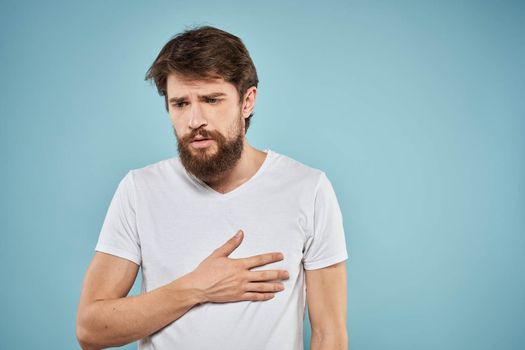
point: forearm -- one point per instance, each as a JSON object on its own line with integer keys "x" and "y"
{"x": 329, "y": 341}
{"x": 116, "y": 322}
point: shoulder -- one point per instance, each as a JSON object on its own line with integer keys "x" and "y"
{"x": 296, "y": 171}
{"x": 154, "y": 172}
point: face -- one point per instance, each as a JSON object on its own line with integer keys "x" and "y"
{"x": 208, "y": 123}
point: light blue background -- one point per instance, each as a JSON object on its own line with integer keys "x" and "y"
{"x": 414, "y": 109}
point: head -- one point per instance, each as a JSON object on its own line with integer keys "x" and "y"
{"x": 209, "y": 84}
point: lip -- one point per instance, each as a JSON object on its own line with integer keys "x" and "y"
{"x": 197, "y": 138}
{"x": 201, "y": 143}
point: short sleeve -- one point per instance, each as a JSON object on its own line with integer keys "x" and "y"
{"x": 327, "y": 243}
{"x": 119, "y": 235}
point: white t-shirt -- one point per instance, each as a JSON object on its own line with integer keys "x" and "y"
{"x": 167, "y": 221}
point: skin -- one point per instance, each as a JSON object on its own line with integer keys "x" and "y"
{"x": 220, "y": 114}
{"x": 107, "y": 317}
{"x": 326, "y": 299}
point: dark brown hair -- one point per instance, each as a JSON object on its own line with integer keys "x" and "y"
{"x": 205, "y": 53}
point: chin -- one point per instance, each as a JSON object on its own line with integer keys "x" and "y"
{"x": 207, "y": 150}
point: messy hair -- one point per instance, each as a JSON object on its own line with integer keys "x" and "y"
{"x": 204, "y": 53}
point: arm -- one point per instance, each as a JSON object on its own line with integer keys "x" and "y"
{"x": 326, "y": 297}
{"x": 107, "y": 318}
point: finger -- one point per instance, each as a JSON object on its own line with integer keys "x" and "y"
{"x": 267, "y": 275}
{"x": 228, "y": 247}
{"x": 257, "y": 296}
{"x": 264, "y": 287}
{"x": 262, "y": 259}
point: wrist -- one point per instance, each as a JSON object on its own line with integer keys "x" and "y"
{"x": 186, "y": 287}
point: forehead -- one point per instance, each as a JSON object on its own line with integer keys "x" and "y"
{"x": 177, "y": 86}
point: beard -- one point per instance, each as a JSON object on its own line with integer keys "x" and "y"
{"x": 201, "y": 162}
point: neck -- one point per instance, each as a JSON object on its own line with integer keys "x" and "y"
{"x": 250, "y": 161}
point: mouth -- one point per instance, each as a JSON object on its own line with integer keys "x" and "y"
{"x": 200, "y": 138}
{"x": 201, "y": 142}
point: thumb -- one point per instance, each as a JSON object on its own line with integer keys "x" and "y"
{"x": 230, "y": 245}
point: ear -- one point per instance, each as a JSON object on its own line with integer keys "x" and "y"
{"x": 249, "y": 102}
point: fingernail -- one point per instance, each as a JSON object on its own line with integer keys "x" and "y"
{"x": 238, "y": 234}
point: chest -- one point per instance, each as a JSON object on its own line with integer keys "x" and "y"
{"x": 176, "y": 234}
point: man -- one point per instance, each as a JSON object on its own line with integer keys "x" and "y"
{"x": 201, "y": 287}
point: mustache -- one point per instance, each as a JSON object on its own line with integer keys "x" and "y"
{"x": 199, "y": 132}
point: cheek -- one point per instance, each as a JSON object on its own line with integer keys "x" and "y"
{"x": 177, "y": 121}
{"x": 177, "y": 127}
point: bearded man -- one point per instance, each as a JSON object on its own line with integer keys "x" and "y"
{"x": 202, "y": 286}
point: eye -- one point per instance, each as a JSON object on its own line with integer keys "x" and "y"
{"x": 179, "y": 104}
{"x": 212, "y": 101}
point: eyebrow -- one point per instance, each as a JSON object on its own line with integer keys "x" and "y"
{"x": 176, "y": 99}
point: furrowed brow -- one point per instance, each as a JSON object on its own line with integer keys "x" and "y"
{"x": 176, "y": 99}
{"x": 212, "y": 95}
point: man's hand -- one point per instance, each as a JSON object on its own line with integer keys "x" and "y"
{"x": 106, "y": 317}
{"x": 222, "y": 279}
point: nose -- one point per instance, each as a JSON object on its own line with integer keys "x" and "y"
{"x": 196, "y": 116}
